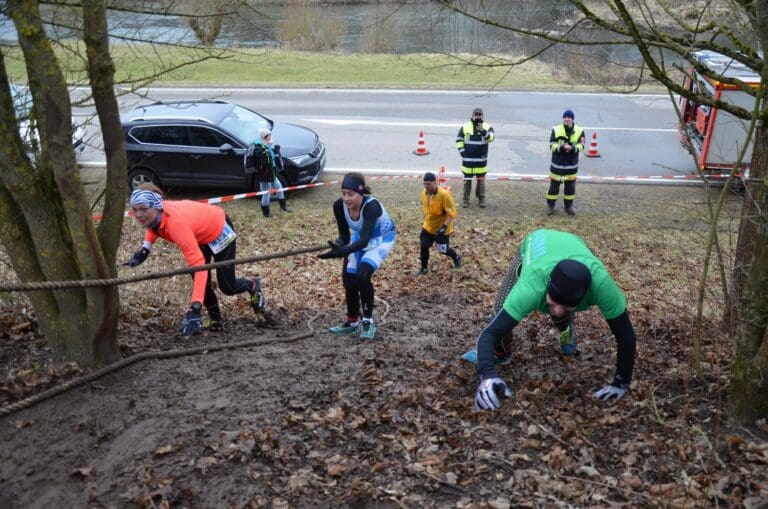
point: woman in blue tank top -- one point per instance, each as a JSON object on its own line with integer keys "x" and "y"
{"x": 366, "y": 237}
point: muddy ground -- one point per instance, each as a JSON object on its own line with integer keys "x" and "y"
{"x": 332, "y": 421}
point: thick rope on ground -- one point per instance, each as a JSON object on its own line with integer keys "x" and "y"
{"x": 133, "y": 359}
{"x": 97, "y": 283}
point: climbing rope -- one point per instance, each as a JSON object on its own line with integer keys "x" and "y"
{"x": 97, "y": 283}
{"x": 133, "y": 359}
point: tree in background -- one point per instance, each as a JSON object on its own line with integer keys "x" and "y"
{"x": 207, "y": 17}
{"x": 666, "y": 35}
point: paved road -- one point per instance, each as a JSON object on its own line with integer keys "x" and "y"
{"x": 379, "y": 129}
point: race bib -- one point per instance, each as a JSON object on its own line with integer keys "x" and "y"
{"x": 224, "y": 239}
{"x": 442, "y": 248}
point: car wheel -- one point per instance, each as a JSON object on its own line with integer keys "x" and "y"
{"x": 141, "y": 176}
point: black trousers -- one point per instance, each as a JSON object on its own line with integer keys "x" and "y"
{"x": 426, "y": 240}
{"x": 569, "y": 191}
{"x": 228, "y": 281}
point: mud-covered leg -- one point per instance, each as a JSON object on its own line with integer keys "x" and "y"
{"x": 506, "y": 286}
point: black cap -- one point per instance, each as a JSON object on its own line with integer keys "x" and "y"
{"x": 568, "y": 114}
{"x": 569, "y": 283}
{"x": 430, "y": 177}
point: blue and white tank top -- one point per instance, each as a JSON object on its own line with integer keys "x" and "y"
{"x": 384, "y": 224}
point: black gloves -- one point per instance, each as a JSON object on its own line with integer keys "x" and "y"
{"x": 441, "y": 231}
{"x": 138, "y": 257}
{"x": 192, "y": 324}
{"x": 338, "y": 250}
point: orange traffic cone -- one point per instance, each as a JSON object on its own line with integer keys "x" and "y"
{"x": 592, "y": 151}
{"x": 421, "y": 149}
{"x": 442, "y": 180}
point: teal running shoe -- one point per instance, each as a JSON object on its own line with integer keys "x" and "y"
{"x": 368, "y": 330}
{"x": 345, "y": 328}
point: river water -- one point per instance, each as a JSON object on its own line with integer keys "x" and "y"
{"x": 409, "y": 27}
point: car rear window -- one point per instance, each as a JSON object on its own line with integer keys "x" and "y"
{"x": 161, "y": 134}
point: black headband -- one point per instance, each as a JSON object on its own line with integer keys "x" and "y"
{"x": 353, "y": 183}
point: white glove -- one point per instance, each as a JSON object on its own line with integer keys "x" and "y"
{"x": 490, "y": 392}
{"x": 610, "y": 392}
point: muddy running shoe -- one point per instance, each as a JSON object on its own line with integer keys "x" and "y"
{"x": 420, "y": 272}
{"x": 457, "y": 262}
{"x": 570, "y": 212}
{"x": 345, "y": 328}
{"x": 257, "y": 300}
{"x": 368, "y": 330}
{"x": 212, "y": 325}
{"x": 568, "y": 342}
{"x": 551, "y": 211}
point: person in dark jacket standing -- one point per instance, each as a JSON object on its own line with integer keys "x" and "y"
{"x": 270, "y": 183}
{"x": 565, "y": 143}
{"x": 472, "y": 142}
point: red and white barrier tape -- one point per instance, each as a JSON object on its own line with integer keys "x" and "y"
{"x": 254, "y": 194}
{"x": 509, "y": 178}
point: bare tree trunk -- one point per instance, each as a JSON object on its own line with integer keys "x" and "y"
{"x": 45, "y": 222}
{"x": 749, "y": 383}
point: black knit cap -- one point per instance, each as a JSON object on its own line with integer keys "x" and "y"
{"x": 569, "y": 283}
{"x": 354, "y": 183}
{"x": 430, "y": 177}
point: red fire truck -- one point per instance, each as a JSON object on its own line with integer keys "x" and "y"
{"x": 716, "y": 136}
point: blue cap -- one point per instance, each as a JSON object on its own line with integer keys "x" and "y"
{"x": 568, "y": 113}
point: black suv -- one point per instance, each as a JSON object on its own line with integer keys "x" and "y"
{"x": 202, "y": 144}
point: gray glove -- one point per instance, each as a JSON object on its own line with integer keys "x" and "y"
{"x": 610, "y": 392}
{"x": 490, "y": 393}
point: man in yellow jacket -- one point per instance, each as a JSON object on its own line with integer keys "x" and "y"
{"x": 472, "y": 143}
{"x": 439, "y": 212}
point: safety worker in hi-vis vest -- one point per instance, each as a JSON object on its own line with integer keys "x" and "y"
{"x": 565, "y": 142}
{"x": 472, "y": 142}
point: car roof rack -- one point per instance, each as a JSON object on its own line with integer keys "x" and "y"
{"x": 175, "y": 119}
{"x": 189, "y": 101}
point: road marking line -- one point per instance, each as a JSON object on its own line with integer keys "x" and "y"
{"x": 350, "y": 122}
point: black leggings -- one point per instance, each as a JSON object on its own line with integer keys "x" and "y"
{"x": 359, "y": 287}
{"x": 229, "y": 283}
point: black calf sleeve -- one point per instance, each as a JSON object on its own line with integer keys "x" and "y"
{"x": 352, "y": 293}
{"x": 364, "y": 275}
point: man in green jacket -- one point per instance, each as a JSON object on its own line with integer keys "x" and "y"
{"x": 554, "y": 273}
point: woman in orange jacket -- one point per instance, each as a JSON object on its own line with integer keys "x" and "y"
{"x": 202, "y": 232}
